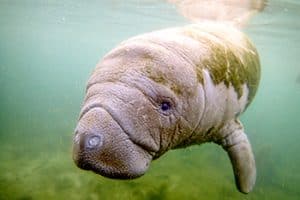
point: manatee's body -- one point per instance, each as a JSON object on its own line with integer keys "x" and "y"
{"x": 169, "y": 89}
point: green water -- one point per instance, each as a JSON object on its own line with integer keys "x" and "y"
{"x": 48, "y": 50}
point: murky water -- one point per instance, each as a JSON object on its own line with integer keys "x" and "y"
{"x": 48, "y": 50}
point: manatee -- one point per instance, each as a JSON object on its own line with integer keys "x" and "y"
{"x": 169, "y": 89}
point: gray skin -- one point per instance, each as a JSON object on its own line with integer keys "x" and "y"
{"x": 164, "y": 90}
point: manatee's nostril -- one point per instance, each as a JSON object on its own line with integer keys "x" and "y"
{"x": 93, "y": 141}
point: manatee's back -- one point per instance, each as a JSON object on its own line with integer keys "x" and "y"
{"x": 230, "y": 58}
{"x": 222, "y": 49}
{"x": 226, "y": 53}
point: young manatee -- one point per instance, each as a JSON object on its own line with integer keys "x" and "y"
{"x": 169, "y": 89}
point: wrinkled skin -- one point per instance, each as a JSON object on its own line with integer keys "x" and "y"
{"x": 153, "y": 93}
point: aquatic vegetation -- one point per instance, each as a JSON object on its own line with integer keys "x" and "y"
{"x": 177, "y": 175}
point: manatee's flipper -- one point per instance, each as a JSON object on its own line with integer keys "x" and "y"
{"x": 237, "y": 145}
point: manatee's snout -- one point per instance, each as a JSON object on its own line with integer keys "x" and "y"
{"x": 101, "y": 145}
{"x": 89, "y": 143}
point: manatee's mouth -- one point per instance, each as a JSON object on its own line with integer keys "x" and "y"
{"x": 109, "y": 172}
{"x": 114, "y": 116}
{"x": 104, "y": 146}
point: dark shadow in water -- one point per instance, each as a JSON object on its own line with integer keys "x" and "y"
{"x": 159, "y": 194}
{"x": 267, "y": 166}
{"x": 25, "y": 198}
{"x": 298, "y": 79}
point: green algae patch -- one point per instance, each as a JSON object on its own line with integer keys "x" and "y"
{"x": 157, "y": 75}
{"x": 176, "y": 89}
{"x": 225, "y": 66}
{"x": 153, "y": 73}
{"x": 228, "y": 63}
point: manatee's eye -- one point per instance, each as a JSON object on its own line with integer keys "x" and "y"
{"x": 165, "y": 106}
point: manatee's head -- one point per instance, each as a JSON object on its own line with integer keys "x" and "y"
{"x": 114, "y": 136}
{"x": 102, "y": 144}
{"x": 137, "y": 106}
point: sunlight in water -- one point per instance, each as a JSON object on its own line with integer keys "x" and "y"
{"x": 237, "y": 12}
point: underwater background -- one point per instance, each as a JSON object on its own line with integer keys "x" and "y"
{"x": 48, "y": 50}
